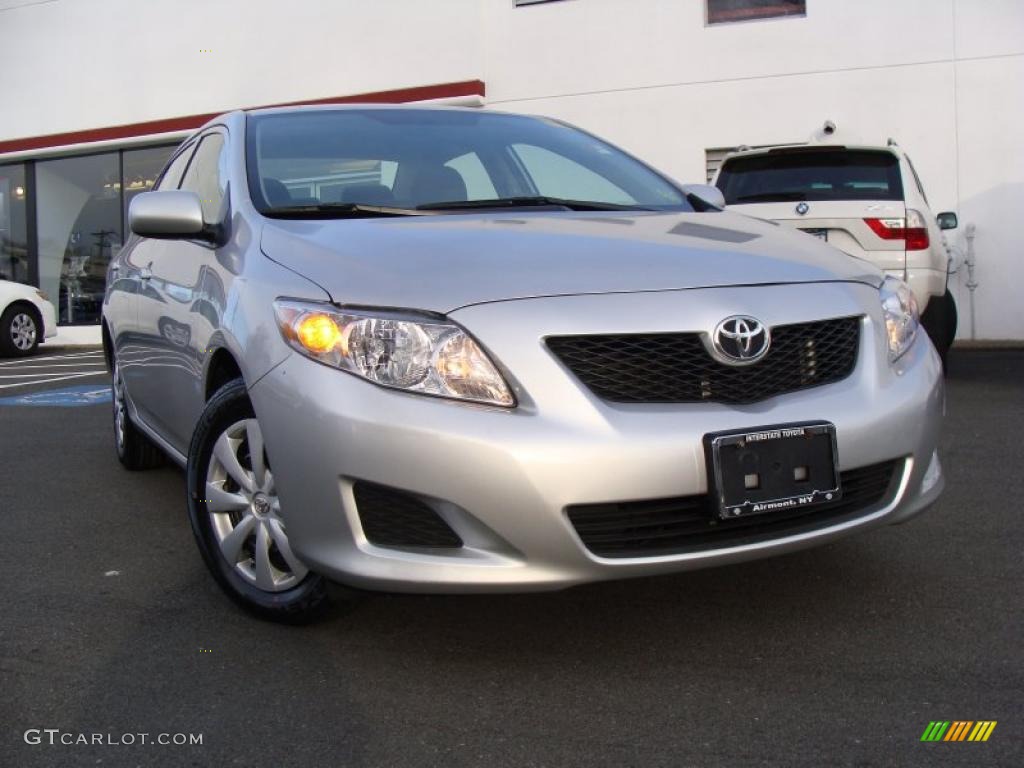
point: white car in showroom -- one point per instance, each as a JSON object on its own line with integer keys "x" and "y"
{"x": 26, "y": 318}
{"x": 865, "y": 200}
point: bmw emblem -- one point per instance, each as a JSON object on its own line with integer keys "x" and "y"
{"x": 802, "y": 208}
{"x": 740, "y": 340}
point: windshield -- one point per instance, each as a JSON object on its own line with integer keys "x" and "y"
{"x": 406, "y": 158}
{"x": 833, "y": 174}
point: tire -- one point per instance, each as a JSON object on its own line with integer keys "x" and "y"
{"x": 20, "y": 330}
{"x": 940, "y": 322}
{"x": 135, "y": 450}
{"x": 235, "y": 515}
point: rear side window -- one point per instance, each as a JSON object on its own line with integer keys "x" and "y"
{"x": 811, "y": 175}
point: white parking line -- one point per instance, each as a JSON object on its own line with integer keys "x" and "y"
{"x": 62, "y": 365}
{"x": 49, "y": 381}
{"x": 73, "y": 356}
{"x": 37, "y": 375}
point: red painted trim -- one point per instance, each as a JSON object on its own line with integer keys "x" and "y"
{"x": 191, "y": 122}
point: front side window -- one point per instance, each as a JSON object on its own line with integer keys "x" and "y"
{"x": 811, "y": 175}
{"x": 409, "y": 158}
{"x": 205, "y": 177}
{"x": 725, "y": 11}
{"x": 171, "y": 178}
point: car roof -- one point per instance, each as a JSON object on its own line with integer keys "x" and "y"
{"x": 233, "y": 117}
{"x": 363, "y": 106}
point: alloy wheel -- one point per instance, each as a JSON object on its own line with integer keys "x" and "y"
{"x": 23, "y": 331}
{"x": 245, "y": 512}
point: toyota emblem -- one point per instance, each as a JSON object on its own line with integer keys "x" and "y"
{"x": 741, "y": 340}
{"x": 802, "y": 208}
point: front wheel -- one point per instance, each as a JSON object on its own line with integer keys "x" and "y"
{"x": 20, "y": 329}
{"x": 236, "y": 515}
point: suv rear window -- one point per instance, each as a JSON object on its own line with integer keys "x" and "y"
{"x": 843, "y": 174}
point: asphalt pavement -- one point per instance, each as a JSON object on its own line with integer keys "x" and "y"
{"x": 838, "y": 656}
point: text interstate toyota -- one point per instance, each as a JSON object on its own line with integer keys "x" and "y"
{"x": 450, "y": 350}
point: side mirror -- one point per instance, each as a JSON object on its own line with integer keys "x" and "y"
{"x": 169, "y": 215}
{"x": 947, "y": 220}
{"x": 706, "y": 192}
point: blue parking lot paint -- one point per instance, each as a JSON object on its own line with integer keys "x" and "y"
{"x": 65, "y": 397}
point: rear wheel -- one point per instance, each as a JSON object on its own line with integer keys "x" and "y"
{"x": 20, "y": 330}
{"x": 134, "y": 450}
{"x": 940, "y": 322}
{"x": 236, "y": 515}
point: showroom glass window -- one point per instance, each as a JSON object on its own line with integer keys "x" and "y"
{"x": 78, "y": 220}
{"x": 13, "y": 230}
{"x": 725, "y": 11}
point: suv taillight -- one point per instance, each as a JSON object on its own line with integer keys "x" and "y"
{"x": 911, "y": 230}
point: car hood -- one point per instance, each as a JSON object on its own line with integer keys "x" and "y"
{"x": 442, "y": 263}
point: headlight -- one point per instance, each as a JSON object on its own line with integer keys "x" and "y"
{"x": 901, "y": 319}
{"x": 422, "y": 355}
{"x": 43, "y": 295}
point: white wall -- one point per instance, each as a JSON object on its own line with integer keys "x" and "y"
{"x": 944, "y": 77}
{"x": 95, "y": 63}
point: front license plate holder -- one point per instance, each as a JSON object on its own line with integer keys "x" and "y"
{"x": 773, "y": 469}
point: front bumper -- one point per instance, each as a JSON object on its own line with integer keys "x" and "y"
{"x": 502, "y": 479}
{"x": 48, "y": 313}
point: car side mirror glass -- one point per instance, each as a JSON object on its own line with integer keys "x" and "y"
{"x": 706, "y": 192}
{"x": 947, "y": 220}
{"x": 168, "y": 215}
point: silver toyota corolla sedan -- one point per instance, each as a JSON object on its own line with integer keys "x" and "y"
{"x": 427, "y": 349}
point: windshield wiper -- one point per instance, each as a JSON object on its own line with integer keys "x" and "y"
{"x": 528, "y": 202}
{"x": 336, "y": 211}
{"x": 767, "y": 197}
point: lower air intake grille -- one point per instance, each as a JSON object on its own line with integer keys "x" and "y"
{"x": 689, "y": 523}
{"x": 394, "y": 518}
{"x": 677, "y": 368}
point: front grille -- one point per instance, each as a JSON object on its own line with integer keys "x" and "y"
{"x": 394, "y": 518}
{"x": 690, "y": 524}
{"x": 677, "y": 368}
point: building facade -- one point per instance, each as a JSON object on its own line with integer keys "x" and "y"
{"x": 89, "y": 125}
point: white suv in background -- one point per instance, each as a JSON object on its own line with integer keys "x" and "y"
{"x": 865, "y": 200}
